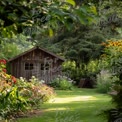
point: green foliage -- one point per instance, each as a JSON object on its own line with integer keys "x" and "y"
{"x": 9, "y": 51}
{"x": 115, "y": 113}
{"x": 86, "y": 12}
{"x": 81, "y": 45}
{"x": 19, "y": 96}
{"x": 75, "y": 73}
{"x": 62, "y": 83}
{"x": 78, "y": 106}
{"x": 83, "y": 71}
{"x": 49, "y": 15}
{"x": 113, "y": 54}
{"x": 84, "y": 49}
{"x": 110, "y": 20}
{"x": 93, "y": 67}
{"x": 12, "y": 103}
{"x": 37, "y": 90}
{"x": 10, "y": 47}
{"x": 104, "y": 81}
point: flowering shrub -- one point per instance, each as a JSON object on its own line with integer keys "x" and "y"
{"x": 35, "y": 91}
{"x": 5, "y": 77}
{"x": 113, "y": 52}
{"x": 42, "y": 93}
{"x": 2, "y": 65}
{"x": 62, "y": 82}
{"x": 111, "y": 61}
{"x": 105, "y": 81}
{"x": 111, "y": 43}
{"x": 113, "y": 56}
{"x": 113, "y": 49}
{"x": 9, "y": 98}
{"x": 18, "y": 95}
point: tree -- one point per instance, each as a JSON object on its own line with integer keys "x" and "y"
{"x": 83, "y": 42}
{"x": 17, "y": 15}
{"x": 79, "y": 45}
{"x": 12, "y": 47}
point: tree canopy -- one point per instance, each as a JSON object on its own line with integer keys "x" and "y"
{"x": 17, "y": 15}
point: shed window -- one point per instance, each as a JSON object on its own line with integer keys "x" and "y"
{"x": 28, "y": 66}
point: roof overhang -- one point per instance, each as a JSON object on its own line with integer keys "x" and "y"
{"x": 34, "y": 48}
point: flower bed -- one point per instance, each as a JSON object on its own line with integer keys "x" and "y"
{"x": 18, "y": 95}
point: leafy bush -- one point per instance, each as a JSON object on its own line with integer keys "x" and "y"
{"x": 22, "y": 96}
{"x": 11, "y": 101}
{"x": 105, "y": 81}
{"x": 62, "y": 82}
{"x": 71, "y": 70}
{"x": 83, "y": 71}
{"x": 113, "y": 55}
{"x": 35, "y": 89}
{"x": 18, "y": 95}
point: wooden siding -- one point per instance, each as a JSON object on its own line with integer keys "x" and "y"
{"x": 37, "y": 57}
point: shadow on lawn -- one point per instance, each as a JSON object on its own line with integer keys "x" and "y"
{"x": 78, "y": 91}
{"x": 73, "y": 106}
{"x": 76, "y": 111}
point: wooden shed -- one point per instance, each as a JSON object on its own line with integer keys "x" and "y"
{"x": 36, "y": 62}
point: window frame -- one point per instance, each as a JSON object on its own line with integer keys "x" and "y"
{"x": 28, "y": 66}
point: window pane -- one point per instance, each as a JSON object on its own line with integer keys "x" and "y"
{"x": 26, "y": 66}
{"x": 42, "y": 66}
{"x": 31, "y": 66}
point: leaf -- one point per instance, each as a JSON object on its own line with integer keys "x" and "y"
{"x": 72, "y": 2}
{"x": 93, "y": 9}
{"x": 57, "y": 11}
{"x": 51, "y": 32}
{"x": 81, "y": 16}
{"x": 83, "y": 10}
{"x": 90, "y": 20}
{"x": 73, "y": 17}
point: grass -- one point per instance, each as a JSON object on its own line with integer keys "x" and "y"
{"x": 79, "y": 105}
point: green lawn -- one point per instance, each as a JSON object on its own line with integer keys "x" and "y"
{"x": 79, "y": 105}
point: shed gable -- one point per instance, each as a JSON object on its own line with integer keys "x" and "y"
{"x": 36, "y": 62}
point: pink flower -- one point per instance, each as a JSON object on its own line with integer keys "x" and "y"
{"x": 4, "y": 70}
{"x": 2, "y": 61}
{"x": 13, "y": 79}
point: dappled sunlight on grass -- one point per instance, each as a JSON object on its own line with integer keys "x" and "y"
{"x": 72, "y": 99}
{"x": 79, "y": 105}
{"x": 55, "y": 109}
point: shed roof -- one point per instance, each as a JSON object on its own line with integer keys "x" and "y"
{"x": 32, "y": 49}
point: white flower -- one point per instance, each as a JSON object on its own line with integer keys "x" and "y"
{"x": 42, "y": 81}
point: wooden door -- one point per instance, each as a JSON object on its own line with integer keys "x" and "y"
{"x": 28, "y": 69}
{"x": 45, "y": 72}
{"x": 42, "y": 71}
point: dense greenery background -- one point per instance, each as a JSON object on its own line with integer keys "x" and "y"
{"x": 77, "y": 30}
